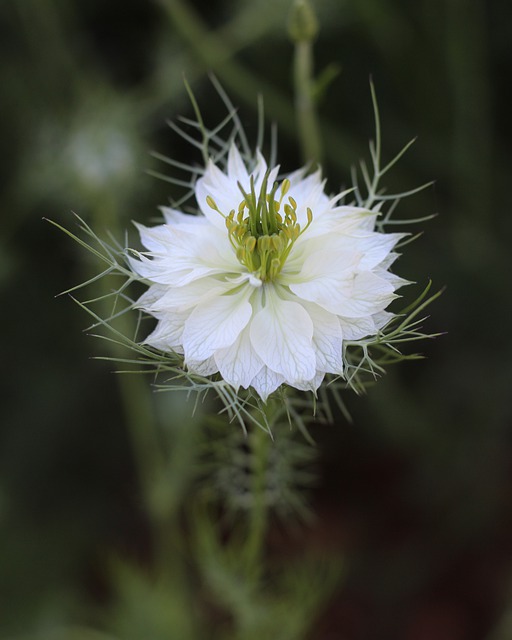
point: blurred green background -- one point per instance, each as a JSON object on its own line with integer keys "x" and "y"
{"x": 416, "y": 493}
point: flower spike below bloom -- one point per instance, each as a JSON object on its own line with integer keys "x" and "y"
{"x": 268, "y": 281}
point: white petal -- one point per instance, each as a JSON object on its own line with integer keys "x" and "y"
{"x": 357, "y": 328}
{"x": 239, "y": 364}
{"x": 295, "y": 177}
{"x": 225, "y": 193}
{"x": 333, "y": 281}
{"x": 319, "y": 257}
{"x": 309, "y": 193}
{"x": 184, "y": 252}
{"x": 186, "y": 297}
{"x": 327, "y": 339}
{"x": 370, "y": 295}
{"x": 388, "y": 260}
{"x": 154, "y": 238}
{"x": 382, "y": 318}
{"x": 326, "y": 278}
{"x": 392, "y": 278}
{"x": 266, "y": 382}
{"x": 310, "y": 385}
{"x": 173, "y": 216}
{"x": 203, "y": 367}
{"x": 282, "y": 336}
{"x": 151, "y": 297}
{"x": 224, "y": 188}
{"x": 167, "y": 335}
{"x": 303, "y": 184}
{"x": 375, "y": 247}
{"x": 236, "y": 166}
{"x": 343, "y": 220}
{"x": 368, "y": 218}
{"x": 216, "y": 324}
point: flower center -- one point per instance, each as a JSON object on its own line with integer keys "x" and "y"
{"x": 263, "y": 230}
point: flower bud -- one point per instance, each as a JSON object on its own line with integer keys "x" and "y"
{"x": 302, "y": 23}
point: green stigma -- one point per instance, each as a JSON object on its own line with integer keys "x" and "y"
{"x": 263, "y": 230}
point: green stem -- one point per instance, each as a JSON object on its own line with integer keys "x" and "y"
{"x": 309, "y": 133}
{"x": 214, "y": 54}
{"x": 260, "y": 443}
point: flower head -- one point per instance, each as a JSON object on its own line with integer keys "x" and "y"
{"x": 266, "y": 284}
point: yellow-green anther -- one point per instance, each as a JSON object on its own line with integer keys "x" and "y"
{"x": 287, "y": 231}
{"x": 290, "y": 214}
{"x": 211, "y": 202}
{"x": 250, "y": 243}
{"x": 261, "y": 236}
{"x": 263, "y": 244}
{"x": 275, "y": 267}
{"x": 285, "y": 187}
{"x": 277, "y": 243}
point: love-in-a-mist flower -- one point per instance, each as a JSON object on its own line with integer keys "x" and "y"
{"x": 268, "y": 281}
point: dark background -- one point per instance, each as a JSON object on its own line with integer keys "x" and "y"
{"x": 416, "y": 492}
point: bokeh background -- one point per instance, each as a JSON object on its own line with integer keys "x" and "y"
{"x": 415, "y": 494}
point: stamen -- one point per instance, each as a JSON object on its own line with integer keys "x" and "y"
{"x": 261, "y": 236}
{"x": 250, "y": 243}
{"x": 212, "y": 204}
{"x": 285, "y": 187}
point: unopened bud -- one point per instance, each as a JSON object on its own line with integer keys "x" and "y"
{"x": 302, "y": 23}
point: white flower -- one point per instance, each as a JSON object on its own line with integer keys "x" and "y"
{"x": 266, "y": 285}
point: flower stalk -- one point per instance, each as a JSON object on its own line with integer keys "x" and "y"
{"x": 303, "y": 28}
{"x": 260, "y": 442}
